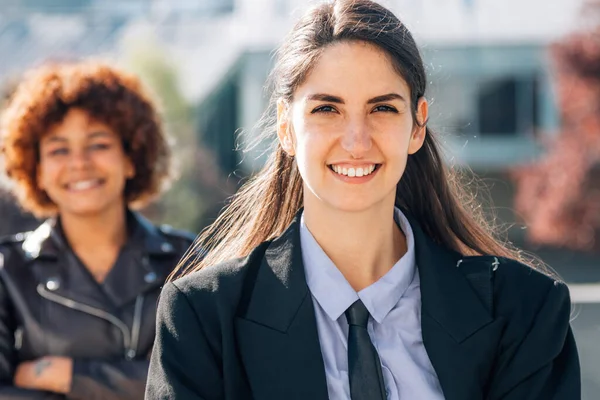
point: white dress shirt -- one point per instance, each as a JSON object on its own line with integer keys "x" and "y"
{"x": 394, "y": 302}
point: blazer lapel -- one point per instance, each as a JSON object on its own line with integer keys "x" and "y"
{"x": 459, "y": 332}
{"x": 276, "y": 328}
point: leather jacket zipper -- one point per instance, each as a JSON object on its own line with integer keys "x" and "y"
{"x": 135, "y": 329}
{"x": 72, "y": 304}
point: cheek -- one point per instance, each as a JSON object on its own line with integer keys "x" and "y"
{"x": 312, "y": 149}
{"x": 393, "y": 136}
{"x": 47, "y": 173}
{"x": 115, "y": 162}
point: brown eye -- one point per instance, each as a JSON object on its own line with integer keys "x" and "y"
{"x": 100, "y": 146}
{"x": 59, "y": 151}
{"x": 323, "y": 109}
{"x": 385, "y": 108}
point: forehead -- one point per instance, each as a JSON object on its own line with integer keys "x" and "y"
{"x": 77, "y": 124}
{"x": 353, "y": 68}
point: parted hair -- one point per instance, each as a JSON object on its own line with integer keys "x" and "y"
{"x": 432, "y": 193}
{"x": 109, "y": 96}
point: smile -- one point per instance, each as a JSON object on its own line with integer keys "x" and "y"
{"x": 79, "y": 186}
{"x": 355, "y": 171}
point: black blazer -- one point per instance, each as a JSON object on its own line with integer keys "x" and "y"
{"x": 493, "y": 329}
{"x": 51, "y": 305}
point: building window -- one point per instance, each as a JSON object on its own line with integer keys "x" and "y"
{"x": 507, "y": 106}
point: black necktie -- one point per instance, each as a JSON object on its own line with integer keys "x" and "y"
{"x": 364, "y": 367}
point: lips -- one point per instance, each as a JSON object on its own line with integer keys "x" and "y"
{"x": 81, "y": 185}
{"x": 357, "y": 171}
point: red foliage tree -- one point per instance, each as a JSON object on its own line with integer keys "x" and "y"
{"x": 558, "y": 196}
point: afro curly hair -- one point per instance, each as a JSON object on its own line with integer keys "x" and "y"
{"x": 108, "y": 95}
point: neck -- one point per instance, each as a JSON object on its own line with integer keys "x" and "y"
{"x": 363, "y": 245}
{"x": 105, "y": 231}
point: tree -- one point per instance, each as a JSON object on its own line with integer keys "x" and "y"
{"x": 200, "y": 184}
{"x": 558, "y": 196}
{"x": 13, "y": 218}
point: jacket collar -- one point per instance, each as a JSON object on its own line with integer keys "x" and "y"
{"x": 446, "y": 295}
{"x": 278, "y": 322}
{"x": 143, "y": 264}
{"x": 48, "y": 240}
{"x": 280, "y": 286}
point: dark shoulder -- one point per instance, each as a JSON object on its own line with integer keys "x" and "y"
{"x": 523, "y": 290}
{"x": 178, "y": 237}
{"x": 220, "y": 286}
{"x": 522, "y": 277}
{"x": 11, "y": 249}
{"x": 169, "y": 231}
{"x": 13, "y": 239}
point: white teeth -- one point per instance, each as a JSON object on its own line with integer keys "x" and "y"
{"x": 83, "y": 185}
{"x": 354, "y": 172}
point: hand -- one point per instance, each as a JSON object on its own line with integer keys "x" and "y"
{"x": 52, "y": 374}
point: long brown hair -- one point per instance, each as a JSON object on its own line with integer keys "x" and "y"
{"x": 428, "y": 190}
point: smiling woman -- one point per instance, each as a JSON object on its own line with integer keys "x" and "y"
{"x": 351, "y": 267}
{"x": 83, "y": 167}
{"x": 82, "y": 144}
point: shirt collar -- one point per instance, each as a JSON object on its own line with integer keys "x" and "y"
{"x": 333, "y": 292}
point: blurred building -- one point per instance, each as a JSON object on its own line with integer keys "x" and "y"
{"x": 491, "y": 88}
{"x": 491, "y": 83}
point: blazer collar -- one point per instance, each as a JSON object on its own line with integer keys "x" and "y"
{"x": 446, "y": 295}
{"x": 280, "y": 286}
{"x": 277, "y": 323}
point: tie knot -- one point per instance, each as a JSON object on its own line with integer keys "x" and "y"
{"x": 357, "y": 314}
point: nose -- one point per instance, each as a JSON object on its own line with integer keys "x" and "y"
{"x": 79, "y": 159}
{"x": 356, "y": 139}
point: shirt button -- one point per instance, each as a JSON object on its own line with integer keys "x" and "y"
{"x": 166, "y": 247}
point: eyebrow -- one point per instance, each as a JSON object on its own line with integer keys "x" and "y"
{"x": 325, "y": 97}
{"x": 62, "y": 139}
{"x": 335, "y": 99}
{"x": 386, "y": 97}
{"x": 96, "y": 134}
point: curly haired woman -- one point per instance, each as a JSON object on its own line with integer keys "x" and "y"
{"x": 82, "y": 145}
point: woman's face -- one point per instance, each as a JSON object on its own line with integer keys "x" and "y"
{"x": 350, "y": 128}
{"x": 83, "y": 167}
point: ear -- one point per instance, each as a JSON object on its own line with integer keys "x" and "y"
{"x": 420, "y": 130}
{"x": 38, "y": 178}
{"x": 129, "y": 169}
{"x": 284, "y": 133}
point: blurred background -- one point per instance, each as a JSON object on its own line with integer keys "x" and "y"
{"x": 514, "y": 91}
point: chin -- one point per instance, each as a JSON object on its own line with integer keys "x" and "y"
{"x": 87, "y": 210}
{"x": 353, "y": 205}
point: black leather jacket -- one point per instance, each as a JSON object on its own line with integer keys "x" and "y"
{"x": 51, "y": 305}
